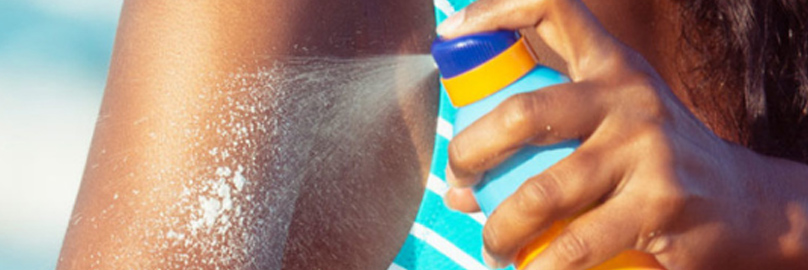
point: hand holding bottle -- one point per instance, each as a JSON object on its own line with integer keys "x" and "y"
{"x": 662, "y": 182}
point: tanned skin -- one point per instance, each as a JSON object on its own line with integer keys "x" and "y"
{"x": 185, "y": 77}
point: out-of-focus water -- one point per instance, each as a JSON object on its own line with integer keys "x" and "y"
{"x": 54, "y": 57}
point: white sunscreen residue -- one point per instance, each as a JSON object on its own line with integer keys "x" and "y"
{"x": 245, "y": 159}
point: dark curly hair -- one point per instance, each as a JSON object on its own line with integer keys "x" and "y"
{"x": 753, "y": 71}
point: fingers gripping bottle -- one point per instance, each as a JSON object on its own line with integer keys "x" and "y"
{"x": 480, "y": 71}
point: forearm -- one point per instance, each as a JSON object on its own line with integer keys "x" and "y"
{"x": 233, "y": 133}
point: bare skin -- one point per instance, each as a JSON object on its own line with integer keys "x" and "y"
{"x": 150, "y": 172}
{"x": 258, "y": 135}
{"x": 664, "y": 183}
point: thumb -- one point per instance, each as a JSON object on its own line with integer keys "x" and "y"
{"x": 490, "y": 15}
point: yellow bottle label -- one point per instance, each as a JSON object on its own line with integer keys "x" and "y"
{"x": 491, "y": 76}
{"x": 626, "y": 260}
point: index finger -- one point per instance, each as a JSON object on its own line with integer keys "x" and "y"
{"x": 567, "y": 26}
{"x": 540, "y": 118}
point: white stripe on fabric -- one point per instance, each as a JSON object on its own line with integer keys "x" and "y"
{"x": 436, "y": 185}
{"x": 445, "y": 247}
{"x": 395, "y": 266}
{"x": 479, "y": 217}
{"x": 445, "y": 129}
{"x": 445, "y": 7}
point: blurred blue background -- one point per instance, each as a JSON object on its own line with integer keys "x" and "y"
{"x": 54, "y": 57}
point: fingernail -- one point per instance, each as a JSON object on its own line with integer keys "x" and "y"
{"x": 490, "y": 261}
{"x": 451, "y": 179}
{"x": 447, "y": 200}
{"x": 454, "y": 181}
{"x": 451, "y": 23}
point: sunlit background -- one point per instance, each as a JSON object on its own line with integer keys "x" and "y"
{"x": 54, "y": 56}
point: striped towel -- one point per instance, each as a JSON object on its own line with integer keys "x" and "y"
{"x": 441, "y": 238}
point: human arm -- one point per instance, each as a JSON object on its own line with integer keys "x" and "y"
{"x": 257, "y": 135}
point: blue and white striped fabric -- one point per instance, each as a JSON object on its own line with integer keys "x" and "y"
{"x": 441, "y": 238}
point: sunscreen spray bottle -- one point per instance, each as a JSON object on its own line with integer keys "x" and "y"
{"x": 480, "y": 71}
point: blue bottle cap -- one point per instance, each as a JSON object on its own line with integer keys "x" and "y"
{"x": 458, "y": 55}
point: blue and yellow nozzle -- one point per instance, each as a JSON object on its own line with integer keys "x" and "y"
{"x": 475, "y": 66}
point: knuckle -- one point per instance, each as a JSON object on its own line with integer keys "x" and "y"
{"x": 647, "y": 100}
{"x": 484, "y": 11}
{"x": 647, "y": 133}
{"x": 654, "y": 137}
{"x": 615, "y": 63}
{"x": 624, "y": 59}
{"x": 461, "y": 159}
{"x": 518, "y": 111}
{"x": 504, "y": 11}
{"x": 538, "y": 193}
{"x": 571, "y": 249}
{"x": 582, "y": 158}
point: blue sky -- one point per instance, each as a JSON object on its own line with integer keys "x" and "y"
{"x": 54, "y": 57}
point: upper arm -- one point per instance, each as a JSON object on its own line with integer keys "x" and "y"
{"x": 257, "y": 134}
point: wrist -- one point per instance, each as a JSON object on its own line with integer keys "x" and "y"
{"x": 777, "y": 190}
